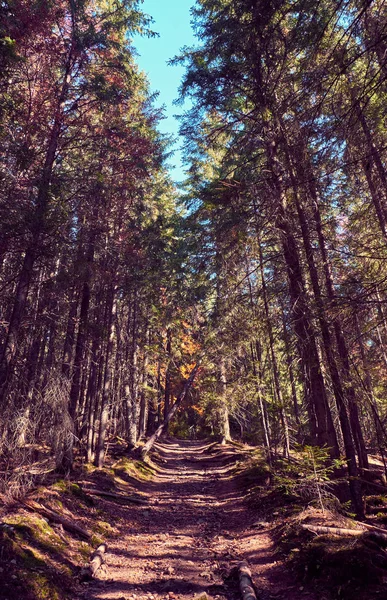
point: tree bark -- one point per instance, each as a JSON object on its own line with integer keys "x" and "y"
{"x": 224, "y": 422}
{"x": 105, "y": 408}
{"x": 277, "y": 384}
{"x": 321, "y": 422}
{"x": 37, "y": 228}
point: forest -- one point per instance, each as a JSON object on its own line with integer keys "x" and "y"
{"x": 248, "y": 303}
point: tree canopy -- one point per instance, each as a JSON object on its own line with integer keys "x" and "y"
{"x": 268, "y": 267}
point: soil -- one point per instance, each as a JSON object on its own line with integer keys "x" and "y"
{"x": 191, "y": 536}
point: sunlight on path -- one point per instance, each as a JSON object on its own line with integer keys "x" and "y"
{"x": 195, "y": 530}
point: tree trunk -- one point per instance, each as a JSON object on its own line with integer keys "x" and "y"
{"x": 105, "y": 406}
{"x": 277, "y": 384}
{"x": 37, "y": 228}
{"x": 224, "y": 423}
{"x": 289, "y": 362}
{"x": 340, "y": 339}
{"x": 167, "y": 387}
{"x": 320, "y": 418}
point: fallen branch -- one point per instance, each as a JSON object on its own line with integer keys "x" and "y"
{"x": 150, "y": 443}
{"x": 52, "y": 515}
{"x": 97, "y": 559}
{"x": 245, "y": 582}
{"x": 377, "y": 486}
{"x": 121, "y": 497}
{"x": 333, "y": 530}
{"x": 377, "y": 532}
{"x": 375, "y": 528}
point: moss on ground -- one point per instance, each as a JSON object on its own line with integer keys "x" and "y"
{"x": 32, "y": 527}
{"x": 141, "y": 470}
{"x": 29, "y": 573}
{"x": 103, "y": 528}
{"x": 37, "y": 563}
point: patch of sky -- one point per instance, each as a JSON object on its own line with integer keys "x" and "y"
{"x": 172, "y": 23}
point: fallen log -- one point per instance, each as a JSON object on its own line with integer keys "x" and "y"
{"x": 54, "y": 516}
{"x": 375, "y": 531}
{"x": 121, "y": 497}
{"x": 150, "y": 443}
{"x": 97, "y": 559}
{"x": 333, "y": 530}
{"x": 375, "y": 528}
{"x": 245, "y": 582}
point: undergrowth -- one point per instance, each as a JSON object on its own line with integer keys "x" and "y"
{"x": 40, "y": 560}
{"x": 302, "y": 490}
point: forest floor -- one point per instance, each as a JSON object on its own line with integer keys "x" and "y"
{"x": 204, "y": 508}
{"x": 195, "y": 531}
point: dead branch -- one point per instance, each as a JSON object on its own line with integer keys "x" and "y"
{"x": 123, "y": 498}
{"x": 54, "y": 516}
{"x": 97, "y": 559}
{"x": 377, "y": 486}
{"x": 245, "y": 582}
{"x": 375, "y": 528}
{"x": 375, "y": 531}
{"x": 149, "y": 444}
{"x": 333, "y": 530}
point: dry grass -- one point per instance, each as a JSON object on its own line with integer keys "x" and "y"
{"x": 36, "y": 436}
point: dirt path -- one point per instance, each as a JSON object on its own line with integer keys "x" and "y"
{"x": 197, "y": 527}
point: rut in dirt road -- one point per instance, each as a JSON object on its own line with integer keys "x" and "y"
{"x": 195, "y": 530}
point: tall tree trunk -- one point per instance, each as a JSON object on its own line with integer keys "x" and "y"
{"x": 350, "y": 425}
{"x": 167, "y": 386}
{"x": 81, "y": 336}
{"x": 106, "y": 394}
{"x": 289, "y": 362}
{"x": 37, "y": 228}
{"x": 91, "y": 399}
{"x": 143, "y": 397}
{"x": 224, "y": 423}
{"x": 131, "y": 388}
{"x": 340, "y": 338}
{"x": 277, "y": 384}
{"x": 321, "y": 422}
{"x": 257, "y": 371}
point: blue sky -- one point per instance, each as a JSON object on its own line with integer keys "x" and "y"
{"x": 172, "y": 23}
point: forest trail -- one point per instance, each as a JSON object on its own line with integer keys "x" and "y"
{"x": 196, "y": 529}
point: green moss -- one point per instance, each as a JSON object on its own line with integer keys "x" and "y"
{"x": 144, "y": 468}
{"x": 33, "y": 575}
{"x": 135, "y": 468}
{"x": 42, "y": 587}
{"x": 96, "y": 540}
{"x": 84, "y": 550}
{"x": 32, "y": 527}
{"x": 24, "y": 556}
{"x": 103, "y": 528}
{"x": 89, "y": 468}
{"x": 61, "y": 485}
